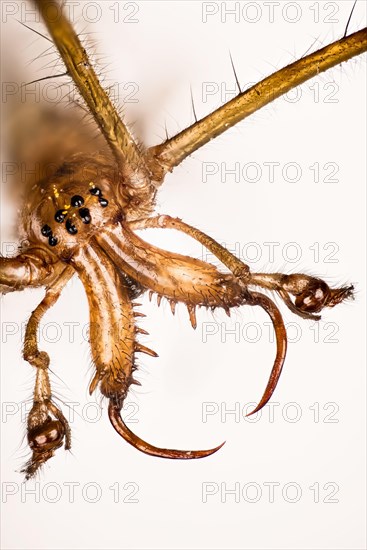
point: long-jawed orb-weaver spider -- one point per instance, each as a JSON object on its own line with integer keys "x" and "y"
{"x": 82, "y": 219}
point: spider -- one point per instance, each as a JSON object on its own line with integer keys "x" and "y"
{"x": 82, "y": 219}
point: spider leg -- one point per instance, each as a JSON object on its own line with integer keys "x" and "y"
{"x": 45, "y": 435}
{"x": 238, "y": 268}
{"x": 178, "y": 278}
{"x": 312, "y": 294}
{"x": 166, "y": 156}
{"x": 32, "y": 268}
{"x": 113, "y": 342}
{"x": 130, "y": 159}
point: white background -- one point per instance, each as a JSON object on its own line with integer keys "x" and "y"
{"x": 169, "y": 48}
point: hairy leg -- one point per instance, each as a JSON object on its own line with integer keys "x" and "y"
{"x": 174, "y": 276}
{"x": 166, "y": 156}
{"x": 128, "y": 156}
{"x": 141, "y": 168}
{"x": 238, "y": 268}
{"x": 312, "y": 294}
{"x": 45, "y": 434}
{"x": 32, "y": 268}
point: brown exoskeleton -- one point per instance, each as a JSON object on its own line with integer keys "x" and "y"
{"x": 82, "y": 219}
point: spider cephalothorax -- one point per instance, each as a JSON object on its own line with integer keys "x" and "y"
{"x": 67, "y": 209}
{"x": 82, "y": 218}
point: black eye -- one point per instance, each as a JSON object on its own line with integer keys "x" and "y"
{"x": 77, "y": 200}
{"x": 85, "y": 215}
{"x": 103, "y": 202}
{"x": 95, "y": 191}
{"x": 59, "y": 216}
{"x": 46, "y": 230}
{"x": 52, "y": 240}
{"x": 70, "y": 227}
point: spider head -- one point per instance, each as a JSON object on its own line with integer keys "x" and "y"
{"x": 75, "y": 202}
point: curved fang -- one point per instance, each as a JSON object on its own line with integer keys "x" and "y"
{"x": 258, "y": 299}
{"x": 141, "y": 445}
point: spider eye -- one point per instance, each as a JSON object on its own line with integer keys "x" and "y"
{"x": 46, "y": 437}
{"x": 46, "y": 230}
{"x": 85, "y": 215}
{"x": 59, "y": 216}
{"x": 70, "y": 227}
{"x": 103, "y": 202}
{"x": 52, "y": 240}
{"x": 77, "y": 201}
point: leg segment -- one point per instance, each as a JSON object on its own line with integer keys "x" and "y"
{"x": 34, "y": 267}
{"x": 130, "y": 159}
{"x": 178, "y": 278}
{"x": 166, "y": 156}
{"x": 311, "y": 294}
{"x": 45, "y": 435}
{"x": 238, "y": 268}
